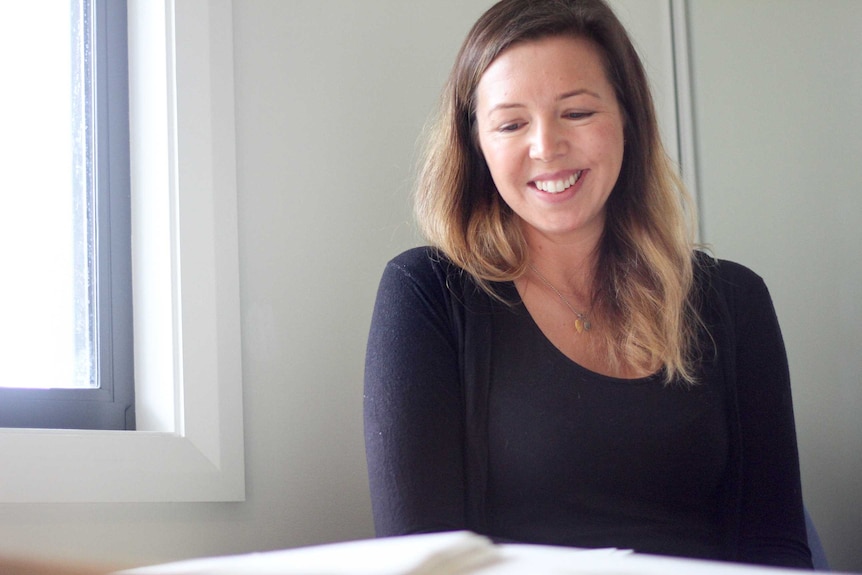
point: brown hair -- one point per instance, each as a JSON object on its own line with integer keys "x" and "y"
{"x": 643, "y": 277}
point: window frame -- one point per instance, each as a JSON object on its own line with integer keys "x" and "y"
{"x": 189, "y": 441}
{"x": 111, "y": 404}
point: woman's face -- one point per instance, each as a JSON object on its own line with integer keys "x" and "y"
{"x": 551, "y": 131}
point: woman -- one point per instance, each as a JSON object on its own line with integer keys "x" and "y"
{"x": 561, "y": 366}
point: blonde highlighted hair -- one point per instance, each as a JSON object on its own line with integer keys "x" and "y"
{"x": 643, "y": 279}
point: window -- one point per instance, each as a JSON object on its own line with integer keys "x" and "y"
{"x": 67, "y": 349}
{"x": 188, "y": 445}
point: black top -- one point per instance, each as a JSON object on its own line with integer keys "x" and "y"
{"x": 577, "y": 458}
{"x": 474, "y": 420}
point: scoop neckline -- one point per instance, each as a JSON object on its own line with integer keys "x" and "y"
{"x": 518, "y": 303}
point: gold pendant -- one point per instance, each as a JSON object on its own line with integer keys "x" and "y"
{"x": 579, "y": 325}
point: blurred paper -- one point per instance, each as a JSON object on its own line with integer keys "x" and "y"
{"x": 451, "y": 553}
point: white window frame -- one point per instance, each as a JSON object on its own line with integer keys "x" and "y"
{"x": 189, "y": 442}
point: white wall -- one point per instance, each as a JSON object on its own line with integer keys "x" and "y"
{"x": 778, "y": 102}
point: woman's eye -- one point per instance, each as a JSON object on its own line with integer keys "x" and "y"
{"x": 510, "y": 127}
{"x": 578, "y": 115}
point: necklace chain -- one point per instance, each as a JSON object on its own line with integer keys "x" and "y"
{"x": 582, "y": 322}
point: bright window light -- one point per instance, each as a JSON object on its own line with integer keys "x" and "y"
{"x": 45, "y": 244}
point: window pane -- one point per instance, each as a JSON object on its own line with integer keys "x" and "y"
{"x": 45, "y": 297}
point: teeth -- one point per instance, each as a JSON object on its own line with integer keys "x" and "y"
{"x": 557, "y": 186}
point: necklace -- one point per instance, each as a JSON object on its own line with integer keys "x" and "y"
{"x": 582, "y": 322}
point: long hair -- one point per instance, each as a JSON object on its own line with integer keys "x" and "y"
{"x": 642, "y": 286}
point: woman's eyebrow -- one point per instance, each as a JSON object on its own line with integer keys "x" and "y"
{"x": 579, "y": 92}
{"x": 561, "y": 97}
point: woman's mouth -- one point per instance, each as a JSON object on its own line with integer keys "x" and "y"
{"x": 557, "y": 186}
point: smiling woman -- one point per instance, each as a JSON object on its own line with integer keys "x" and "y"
{"x": 552, "y": 138}
{"x": 562, "y": 365}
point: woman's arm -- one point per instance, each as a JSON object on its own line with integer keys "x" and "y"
{"x": 772, "y": 529}
{"x": 413, "y": 402}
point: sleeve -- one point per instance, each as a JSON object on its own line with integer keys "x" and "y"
{"x": 413, "y": 405}
{"x": 772, "y": 527}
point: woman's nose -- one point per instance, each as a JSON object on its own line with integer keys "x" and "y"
{"x": 547, "y": 143}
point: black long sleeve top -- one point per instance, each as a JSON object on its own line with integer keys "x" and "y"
{"x": 474, "y": 420}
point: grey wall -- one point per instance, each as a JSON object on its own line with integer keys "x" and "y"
{"x": 778, "y": 105}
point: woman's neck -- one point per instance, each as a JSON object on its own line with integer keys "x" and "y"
{"x": 568, "y": 265}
